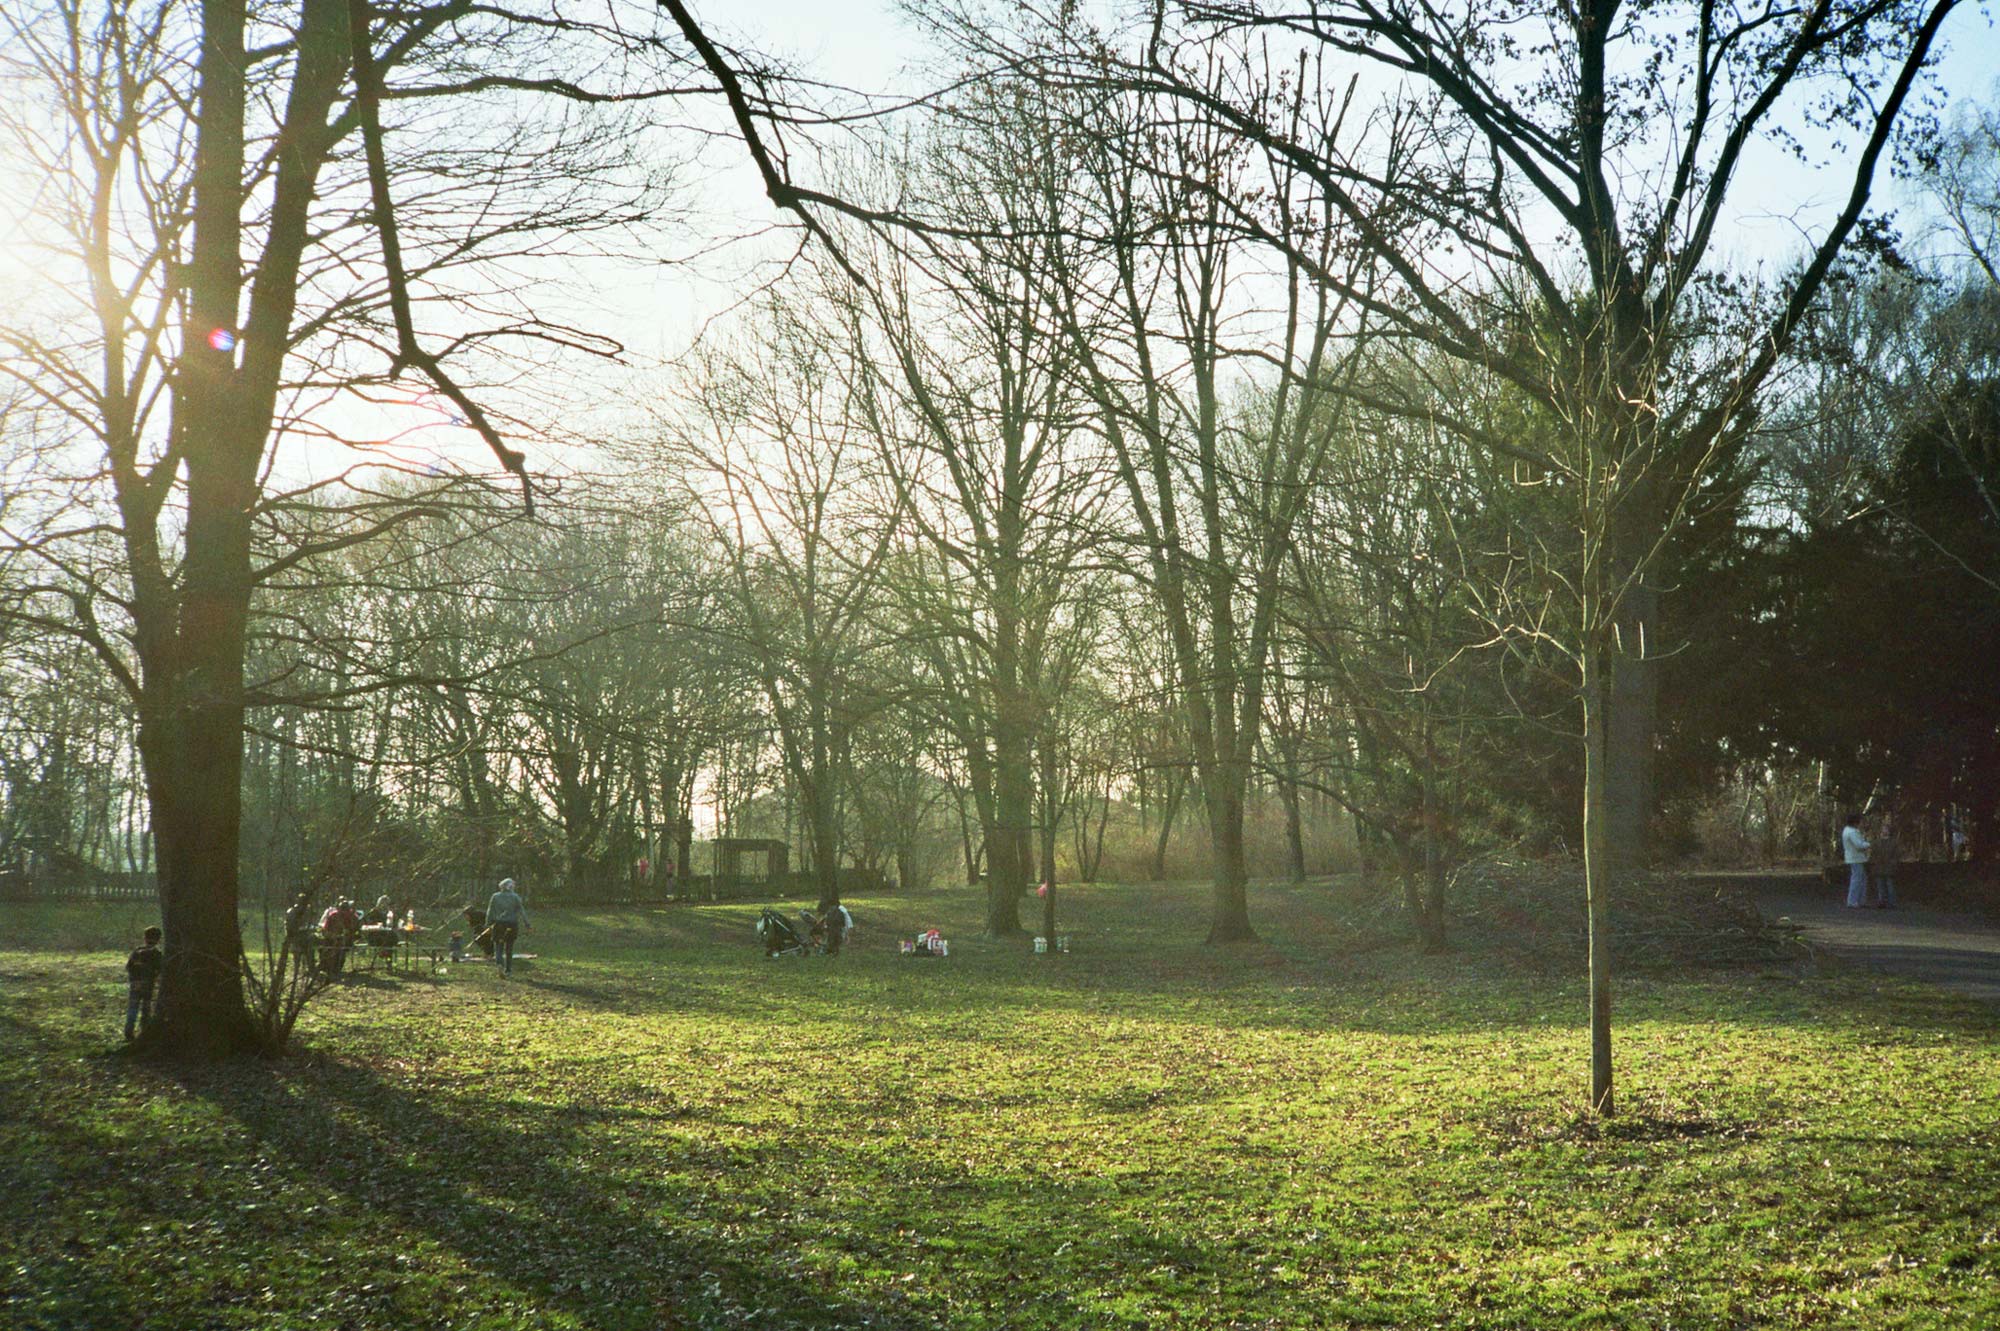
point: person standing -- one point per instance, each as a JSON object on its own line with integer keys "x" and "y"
{"x": 142, "y": 974}
{"x": 337, "y": 930}
{"x": 506, "y": 915}
{"x": 1885, "y": 855}
{"x": 1854, "y": 849}
{"x": 299, "y": 923}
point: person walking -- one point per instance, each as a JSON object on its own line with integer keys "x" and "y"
{"x": 506, "y": 915}
{"x": 1885, "y": 855}
{"x": 1854, "y": 849}
{"x": 142, "y": 974}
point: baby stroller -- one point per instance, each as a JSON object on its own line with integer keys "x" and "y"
{"x": 780, "y": 937}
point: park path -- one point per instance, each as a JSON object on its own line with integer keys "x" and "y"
{"x": 1954, "y": 949}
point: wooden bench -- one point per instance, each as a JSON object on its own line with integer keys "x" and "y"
{"x": 406, "y": 955}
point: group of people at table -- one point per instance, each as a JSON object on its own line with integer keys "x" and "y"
{"x": 341, "y": 928}
{"x": 382, "y": 929}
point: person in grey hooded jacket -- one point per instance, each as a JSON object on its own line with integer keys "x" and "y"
{"x": 506, "y": 915}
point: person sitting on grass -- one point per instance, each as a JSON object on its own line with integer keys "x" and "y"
{"x": 142, "y": 973}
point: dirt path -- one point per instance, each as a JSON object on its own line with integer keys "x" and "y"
{"x": 1955, "y": 949}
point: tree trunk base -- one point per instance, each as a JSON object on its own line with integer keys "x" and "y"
{"x": 205, "y": 1042}
{"x": 1230, "y": 932}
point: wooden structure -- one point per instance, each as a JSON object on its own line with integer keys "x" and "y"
{"x": 731, "y": 853}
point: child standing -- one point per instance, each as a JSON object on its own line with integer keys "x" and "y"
{"x": 142, "y": 972}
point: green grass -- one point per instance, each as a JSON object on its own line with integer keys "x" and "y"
{"x": 652, "y": 1126}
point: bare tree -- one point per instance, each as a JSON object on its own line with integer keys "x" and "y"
{"x": 223, "y": 189}
{"x": 979, "y": 417}
{"x": 1557, "y": 227}
{"x": 773, "y": 443}
{"x": 1151, "y": 300}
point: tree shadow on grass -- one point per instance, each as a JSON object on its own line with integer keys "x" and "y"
{"x": 500, "y": 1187}
{"x": 556, "y": 1211}
{"x": 590, "y": 995}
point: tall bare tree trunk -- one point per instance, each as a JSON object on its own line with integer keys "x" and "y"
{"x": 191, "y": 741}
{"x": 191, "y": 711}
{"x": 1632, "y": 718}
{"x": 1295, "y": 837}
{"x": 1176, "y": 791}
{"x": 1007, "y": 855}
{"x": 191, "y": 744}
{"x": 1052, "y": 804}
{"x": 967, "y": 851}
{"x": 1008, "y": 840}
{"x": 822, "y": 800}
{"x": 1597, "y": 867}
{"x": 1229, "y": 920}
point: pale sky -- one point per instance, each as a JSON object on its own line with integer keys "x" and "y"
{"x": 868, "y": 46}
{"x": 658, "y": 310}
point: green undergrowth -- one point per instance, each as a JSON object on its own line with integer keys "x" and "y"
{"x": 652, "y": 1126}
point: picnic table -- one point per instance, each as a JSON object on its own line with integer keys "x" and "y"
{"x": 422, "y": 949}
{"x": 388, "y": 947}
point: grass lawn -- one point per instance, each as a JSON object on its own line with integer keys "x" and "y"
{"x": 651, "y": 1126}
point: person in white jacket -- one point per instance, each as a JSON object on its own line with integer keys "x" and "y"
{"x": 1854, "y": 849}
